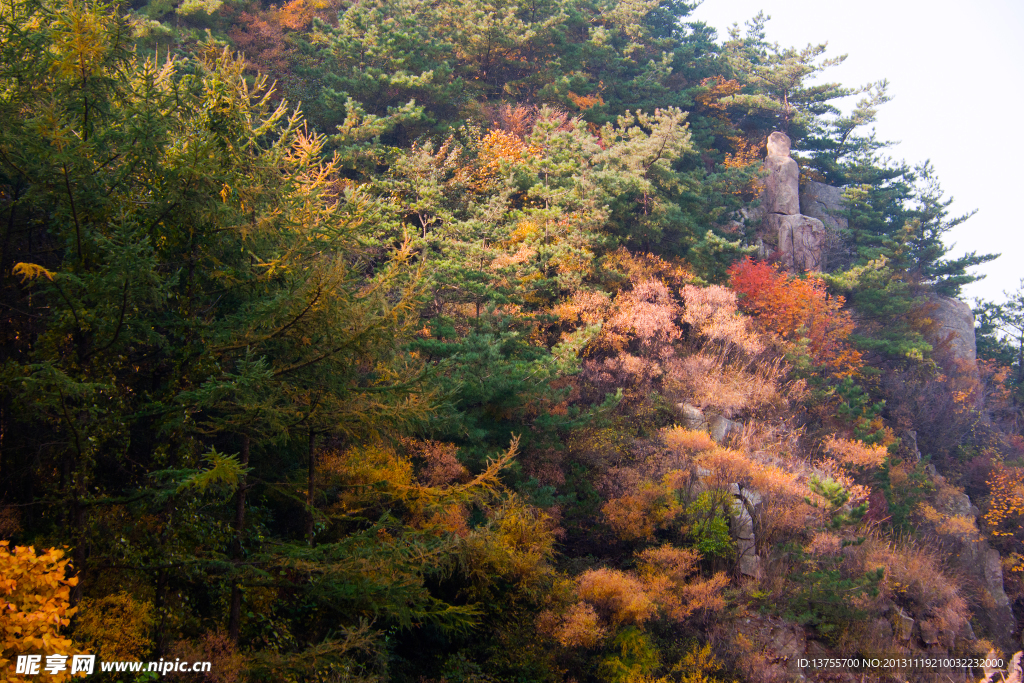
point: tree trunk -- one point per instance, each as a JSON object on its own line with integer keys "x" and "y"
{"x": 235, "y": 618}
{"x": 310, "y": 489}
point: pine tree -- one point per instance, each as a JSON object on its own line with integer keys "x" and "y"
{"x": 777, "y": 95}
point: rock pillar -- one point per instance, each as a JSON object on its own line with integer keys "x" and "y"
{"x": 799, "y": 239}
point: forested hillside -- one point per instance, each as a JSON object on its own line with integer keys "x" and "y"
{"x": 389, "y": 340}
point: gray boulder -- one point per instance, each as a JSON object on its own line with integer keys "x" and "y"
{"x": 722, "y": 427}
{"x": 902, "y": 624}
{"x": 693, "y": 417}
{"x": 823, "y": 202}
{"x": 782, "y": 186}
{"x": 778, "y": 144}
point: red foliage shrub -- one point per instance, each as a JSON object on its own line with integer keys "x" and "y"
{"x": 795, "y": 308}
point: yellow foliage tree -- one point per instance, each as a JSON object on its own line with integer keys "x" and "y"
{"x": 34, "y": 604}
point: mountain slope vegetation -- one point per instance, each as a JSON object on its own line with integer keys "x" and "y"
{"x": 469, "y": 367}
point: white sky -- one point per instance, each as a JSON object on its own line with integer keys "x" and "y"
{"x": 956, "y": 74}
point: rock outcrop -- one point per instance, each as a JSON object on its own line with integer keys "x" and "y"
{"x": 749, "y": 563}
{"x": 782, "y": 185}
{"x": 693, "y": 417}
{"x": 776, "y": 647}
{"x": 722, "y": 427}
{"x": 718, "y": 426}
{"x": 798, "y": 238}
{"x": 824, "y": 202}
{"x": 1014, "y": 672}
{"x": 745, "y": 501}
{"x": 955, "y": 321}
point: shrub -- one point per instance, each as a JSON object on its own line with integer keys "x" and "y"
{"x": 619, "y": 596}
{"x": 638, "y": 658}
{"x": 826, "y": 596}
{"x": 580, "y": 627}
{"x": 688, "y": 441}
{"x": 116, "y": 626}
{"x": 794, "y": 308}
{"x": 666, "y": 583}
{"x": 713, "y": 313}
{"x": 637, "y": 516}
{"x": 710, "y": 380}
{"x": 1004, "y": 512}
{"x": 669, "y": 573}
{"x": 227, "y": 664}
{"x": 35, "y": 603}
{"x": 856, "y": 454}
{"x": 441, "y": 465}
{"x": 707, "y": 524}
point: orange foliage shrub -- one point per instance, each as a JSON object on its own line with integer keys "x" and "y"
{"x": 668, "y": 575}
{"x": 796, "y": 308}
{"x": 440, "y": 464}
{"x": 636, "y": 516}
{"x": 579, "y": 627}
{"x": 585, "y": 102}
{"x": 784, "y": 509}
{"x": 226, "y": 664}
{"x": 914, "y": 579}
{"x": 584, "y": 306}
{"x": 34, "y": 605}
{"x": 619, "y": 596}
{"x": 645, "y": 314}
{"x": 517, "y": 120}
{"x": 676, "y": 564}
{"x": 638, "y": 267}
{"x": 498, "y": 149}
{"x": 710, "y": 381}
{"x": 856, "y": 454}
{"x": 262, "y": 36}
{"x": 824, "y": 543}
{"x": 665, "y": 584}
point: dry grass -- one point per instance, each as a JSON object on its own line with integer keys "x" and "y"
{"x": 914, "y": 578}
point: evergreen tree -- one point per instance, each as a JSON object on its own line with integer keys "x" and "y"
{"x": 189, "y": 313}
{"x": 776, "y": 94}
